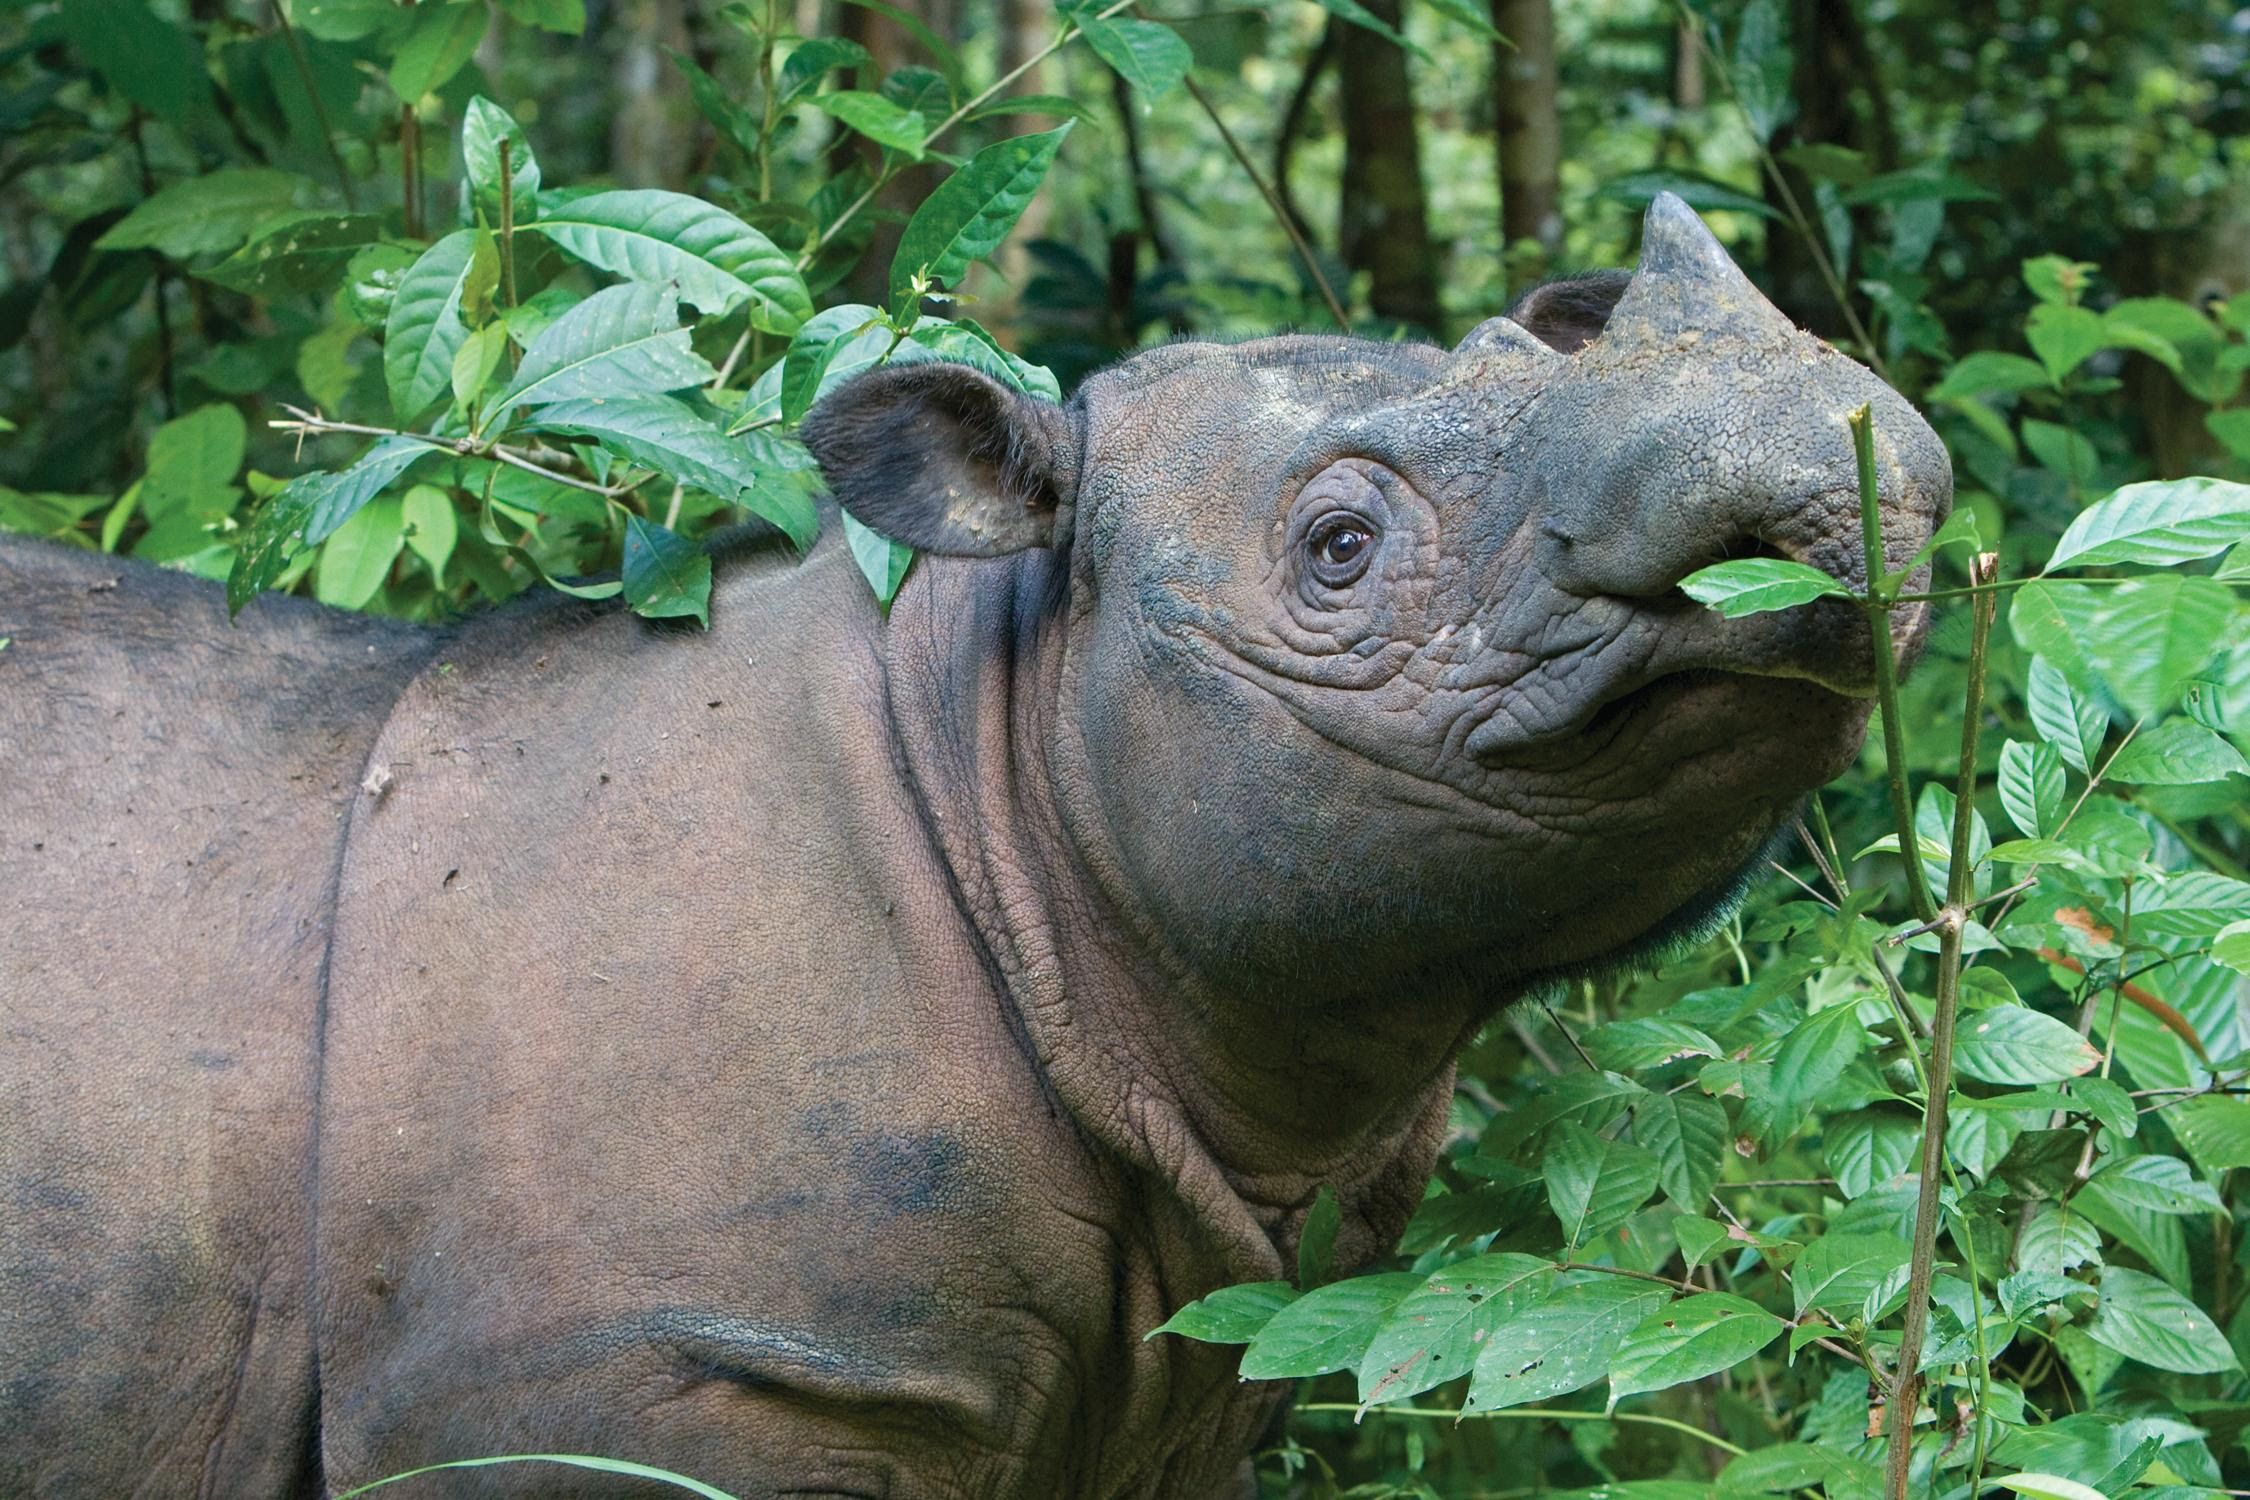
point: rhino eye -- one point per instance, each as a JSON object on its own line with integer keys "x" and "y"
{"x": 1341, "y": 549}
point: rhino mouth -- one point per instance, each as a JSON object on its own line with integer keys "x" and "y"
{"x": 1628, "y": 711}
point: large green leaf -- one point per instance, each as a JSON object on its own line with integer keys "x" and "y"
{"x": 1837, "y": 1271}
{"x": 2161, "y": 522}
{"x": 1593, "y": 1183}
{"x": 2016, "y": 1044}
{"x": 194, "y": 458}
{"x": 438, "y": 45}
{"x": 1230, "y": 1315}
{"x": 667, "y": 435}
{"x": 731, "y": 120}
{"x": 1754, "y": 585}
{"x": 484, "y": 125}
{"x": 622, "y": 341}
{"x": 1693, "y": 1337}
{"x": 2032, "y": 787}
{"x": 2142, "y": 1318}
{"x": 218, "y": 211}
{"x": 881, "y": 561}
{"x": 823, "y": 353}
{"x": 972, "y": 211}
{"x": 2065, "y": 337}
{"x": 1816, "y": 1052}
{"x": 1556, "y": 1346}
{"x": 716, "y": 261}
{"x": 2177, "y": 752}
{"x": 1435, "y": 1333}
{"x": 300, "y": 255}
{"x": 1689, "y": 1135}
{"x": 2065, "y": 715}
{"x": 2192, "y": 904}
{"x": 152, "y": 62}
{"x": 666, "y": 575}
{"x": 2215, "y": 1129}
{"x": 426, "y": 329}
{"x": 1326, "y": 1329}
{"x": 357, "y": 558}
{"x": 875, "y": 117}
{"x": 1868, "y": 1149}
{"x": 1151, "y": 57}
{"x": 2160, "y": 1184}
{"x": 2144, "y": 639}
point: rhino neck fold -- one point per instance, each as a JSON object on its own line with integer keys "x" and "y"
{"x": 1243, "y": 1110}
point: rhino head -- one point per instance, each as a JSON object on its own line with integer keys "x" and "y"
{"x": 1374, "y": 661}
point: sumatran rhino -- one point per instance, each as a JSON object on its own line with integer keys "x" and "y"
{"x": 810, "y": 1055}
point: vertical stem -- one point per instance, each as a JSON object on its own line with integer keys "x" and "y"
{"x": 1906, "y": 1383}
{"x": 507, "y": 221}
{"x": 1879, "y": 605}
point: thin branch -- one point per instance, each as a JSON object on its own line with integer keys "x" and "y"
{"x": 1534, "y": 1413}
{"x": 320, "y": 111}
{"x": 312, "y": 424}
{"x": 1273, "y": 201}
{"x": 1878, "y": 607}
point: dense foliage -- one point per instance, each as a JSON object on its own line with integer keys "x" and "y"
{"x": 1934, "y": 1139}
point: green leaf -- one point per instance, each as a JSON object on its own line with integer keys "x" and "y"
{"x": 1359, "y": 15}
{"x": 622, "y": 341}
{"x": 194, "y": 458}
{"x": 2142, "y": 1318}
{"x": 307, "y": 254}
{"x": 1689, "y": 1135}
{"x": 566, "y": 17}
{"x": 2192, "y": 904}
{"x": 806, "y": 373}
{"x": 356, "y": 560}
{"x": 1837, "y": 1271}
{"x": 972, "y": 211}
{"x": 2058, "y": 1238}
{"x": 1560, "y": 1344}
{"x": 2064, "y": 337}
{"x": 1326, "y": 1329}
{"x": 1815, "y": 1054}
{"x": 1795, "y": 1466}
{"x": 1469, "y": 13}
{"x": 716, "y": 261}
{"x": 1985, "y": 373}
{"x": 1436, "y": 1332}
{"x": 1595, "y": 1184}
{"x": 1697, "y": 192}
{"x": 2066, "y": 717}
{"x": 425, "y": 330}
{"x": 1230, "y": 1315}
{"x": 875, "y": 117}
{"x": 666, "y": 575}
{"x": 2215, "y": 1129}
{"x": 2154, "y": 1237}
{"x": 433, "y": 527}
{"x": 474, "y": 365}
{"x": 665, "y": 434}
{"x": 814, "y": 59}
{"x": 1700, "y": 1238}
{"x": 2230, "y": 947}
{"x": 218, "y": 211}
{"x": 1151, "y": 57}
{"x": 882, "y": 562}
{"x": 2160, "y": 523}
{"x": 2177, "y": 752}
{"x": 1753, "y": 585}
{"x": 2063, "y": 452}
{"x": 2015, "y": 1044}
{"x": 1868, "y": 1149}
{"x": 2145, "y": 639}
{"x": 2106, "y": 1103}
{"x": 1624, "y": 1046}
{"x": 438, "y": 44}
{"x": 568, "y": 1460}
{"x": 484, "y": 125}
{"x": 1694, "y": 1337}
{"x": 2032, "y": 787}
{"x": 2157, "y": 1184}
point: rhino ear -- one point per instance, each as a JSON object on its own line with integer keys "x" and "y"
{"x": 1571, "y": 313}
{"x": 947, "y": 459}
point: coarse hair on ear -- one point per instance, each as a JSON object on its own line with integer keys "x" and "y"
{"x": 1569, "y": 314}
{"x": 945, "y": 458}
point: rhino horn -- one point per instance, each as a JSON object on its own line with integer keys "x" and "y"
{"x": 1687, "y": 284}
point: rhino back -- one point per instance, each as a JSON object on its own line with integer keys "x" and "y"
{"x": 173, "y": 799}
{"x": 670, "y": 1109}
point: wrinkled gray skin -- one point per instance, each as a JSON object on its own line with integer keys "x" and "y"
{"x": 810, "y": 1055}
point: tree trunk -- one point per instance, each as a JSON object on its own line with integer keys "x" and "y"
{"x": 889, "y": 46}
{"x": 1833, "y": 64}
{"x": 1529, "y": 126}
{"x": 1383, "y": 224}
